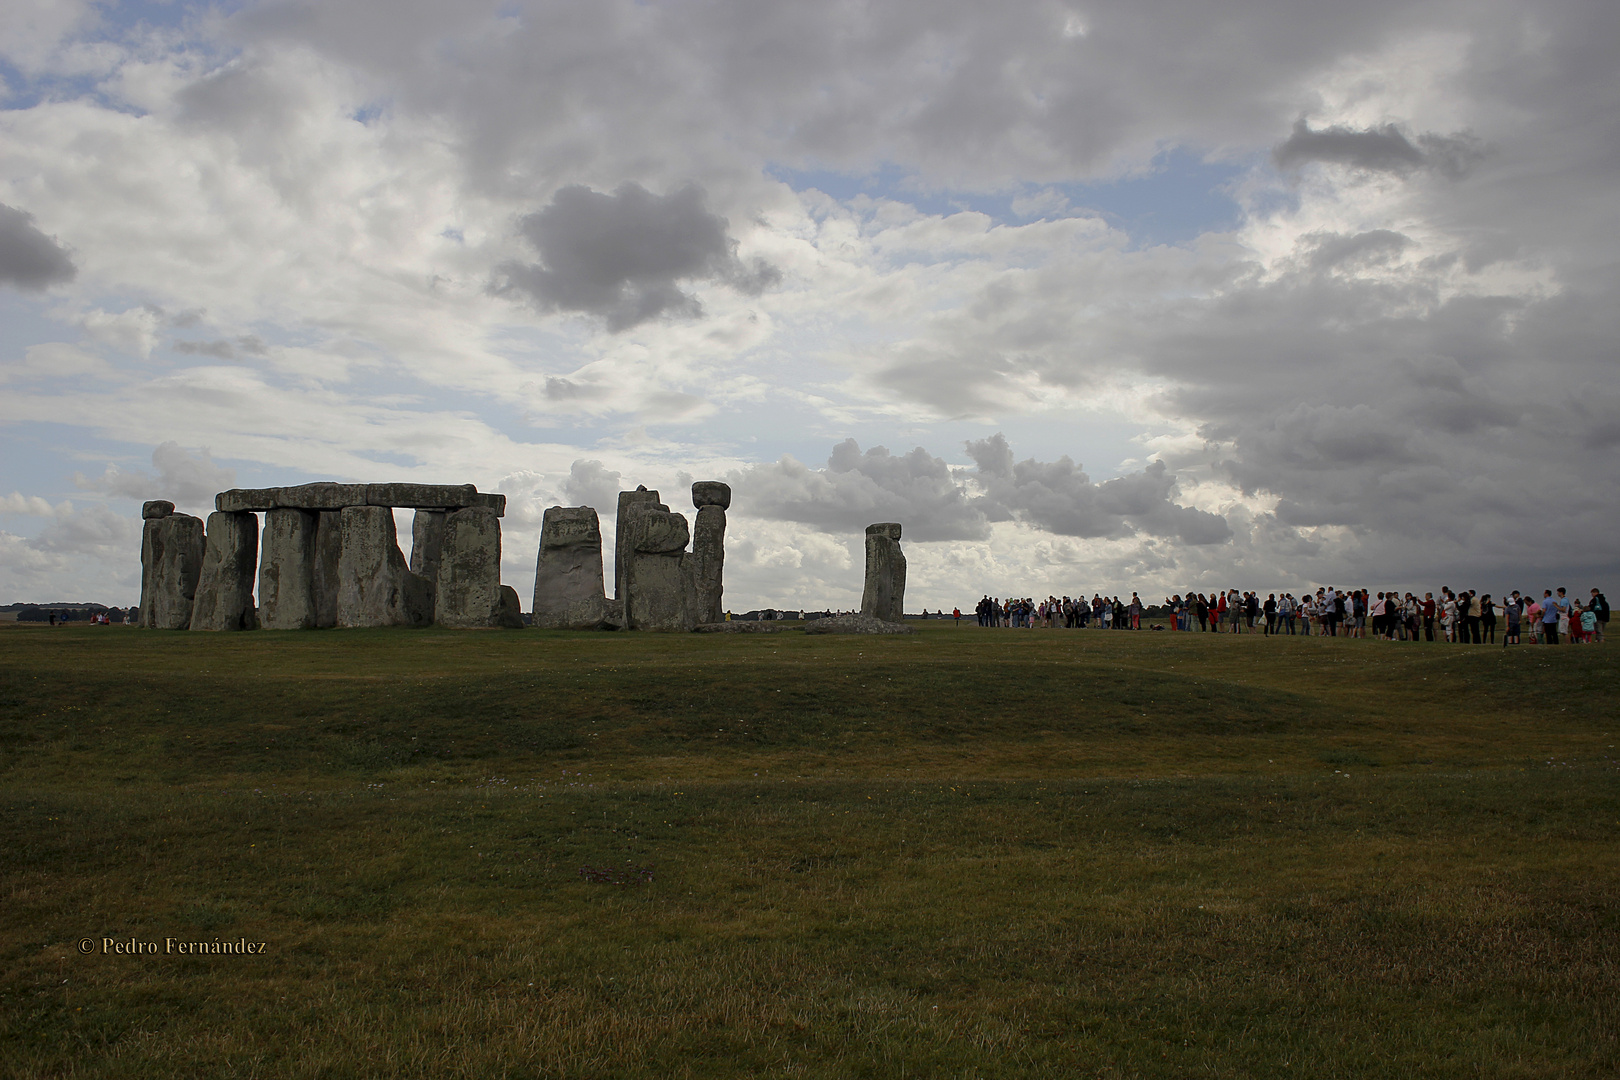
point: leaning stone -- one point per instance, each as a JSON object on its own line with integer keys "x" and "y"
{"x": 171, "y": 562}
{"x": 376, "y": 588}
{"x": 510, "y": 616}
{"x": 328, "y": 560}
{"x": 708, "y": 562}
{"x": 469, "y": 583}
{"x": 157, "y": 508}
{"x": 427, "y": 543}
{"x": 287, "y": 569}
{"x": 856, "y": 624}
{"x": 568, "y": 571}
{"x": 224, "y": 599}
{"x": 659, "y": 581}
{"x": 711, "y": 493}
{"x": 885, "y": 592}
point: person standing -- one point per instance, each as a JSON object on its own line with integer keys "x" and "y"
{"x": 1487, "y": 620}
{"x": 1549, "y": 617}
{"x": 1599, "y": 606}
{"x": 1513, "y": 609}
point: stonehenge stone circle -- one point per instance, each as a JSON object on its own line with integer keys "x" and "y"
{"x": 287, "y": 573}
{"x": 224, "y": 597}
{"x": 885, "y": 593}
{"x": 711, "y": 498}
{"x": 469, "y": 591}
{"x": 172, "y": 548}
{"x": 568, "y": 572}
{"x": 375, "y": 586}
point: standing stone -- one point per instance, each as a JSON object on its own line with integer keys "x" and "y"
{"x": 658, "y": 578}
{"x": 171, "y": 562}
{"x": 328, "y": 558}
{"x": 287, "y": 570}
{"x": 375, "y": 587}
{"x": 631, "y": 503}
{"x": 712, "y": 499}
{"x": 885, "y": 594}
{"x": 427, "y": 542}
{"x": 568, "y": 573}
{"x": 469, "y": 592}
{"x": 224, "y": 599}
{"x": 157, "y": 508}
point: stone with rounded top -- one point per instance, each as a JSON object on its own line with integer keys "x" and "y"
{"x": 711, "y": 493}
{"x": 157, "y": 508}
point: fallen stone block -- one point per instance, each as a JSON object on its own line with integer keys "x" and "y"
{"x": 856, "y": 624}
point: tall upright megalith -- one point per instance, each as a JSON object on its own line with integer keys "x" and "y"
{"x": 287, "y": 569}
{"x": 172, "y": 548}
{"x": 375, "y": 586}
{"x": 427, "y": 543}
{"x": 885, "y": 593}
{"x": 328, "y": 560}
{"x": 631, "y": 503}
{"x": 658, "y": 583}
{"x": 224, "y": 599}
{"x": 568, "y": 591}
{"x": 712, "y": 499}
{"x": 469, "y": 592}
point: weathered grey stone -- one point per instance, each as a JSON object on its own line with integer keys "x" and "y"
{"x": 469, "y": 583}
{"x": 711, "y": 493}
{"x": 441, "y": 496}
{"x": 856, "y": 624}
{"x": 171, "y": 562}
{"x": 157, "y": 508}
{"x": 510, "y": 617}
{"x": 568, "y": 572}
{"x": 328, "y": 559}
{"x": 659, "y": 581}
{"x": 885, "y": 592}
{"x": 427, "y": 543}
{"x": 708, "y": 562}
{"x": 490, "y": 501}
{"x": 287, "y": 569}
{"x": 630, "y": 504}
{"x": 224, "y": 599}
{"x": 375, "y": 587}
{"x": 318, "y": 496}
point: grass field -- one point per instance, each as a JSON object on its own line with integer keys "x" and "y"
{"x": 962, "y": 853}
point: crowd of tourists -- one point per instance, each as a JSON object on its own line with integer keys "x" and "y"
{"x": 1464, "y": 617}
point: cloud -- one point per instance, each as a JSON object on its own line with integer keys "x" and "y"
{"x": 591, "y": 484}
{"x": 1058, "y": 497}
{"x": 1379, "y": 149}
{"x": 28, "y": 258}
{"x": 188, "y": 479}
{"x": 623, "y": 256}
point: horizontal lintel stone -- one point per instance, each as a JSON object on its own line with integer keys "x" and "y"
{"x": 330, "y": 496}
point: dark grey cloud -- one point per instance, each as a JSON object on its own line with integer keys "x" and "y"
{"x": 935, "y": 502}
{"x": 1059, "y": 497}
{"x": 28, "y": 258}
{"x": 1380, "y": 149}
{"x": 623, "y": 256}
{"x": 856, "y": 489}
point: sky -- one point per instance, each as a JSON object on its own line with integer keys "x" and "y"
{"x": 1128, "y": 296}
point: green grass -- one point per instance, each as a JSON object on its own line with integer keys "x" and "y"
{"x": 962, "y": 853}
